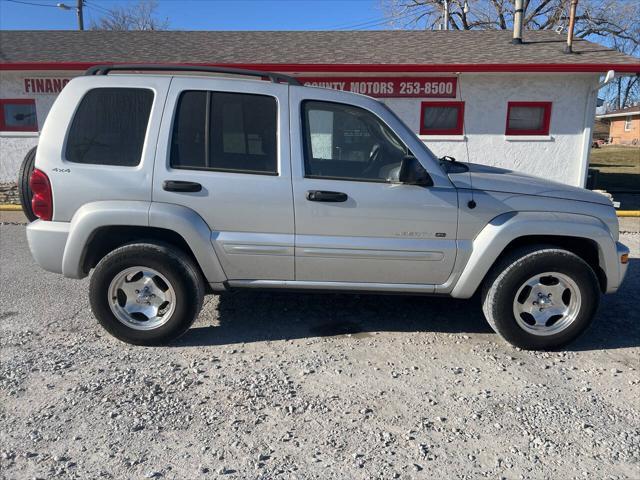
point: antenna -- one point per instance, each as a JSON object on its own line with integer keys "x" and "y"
{"x": 472, "y": 203}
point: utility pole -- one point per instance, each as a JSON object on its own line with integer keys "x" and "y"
{"x": 80, "y": 16}
{"x": 79, "y": 5}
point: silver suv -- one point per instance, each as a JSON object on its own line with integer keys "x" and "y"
{"x": 170, "y": 185}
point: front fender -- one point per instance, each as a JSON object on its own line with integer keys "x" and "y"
{"x": 505, "y": 228}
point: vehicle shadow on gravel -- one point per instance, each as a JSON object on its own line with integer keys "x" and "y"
{"x": 249, "y": 316}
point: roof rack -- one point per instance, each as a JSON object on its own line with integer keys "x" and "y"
{"x": 274, "y": 77}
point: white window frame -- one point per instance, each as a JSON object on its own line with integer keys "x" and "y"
{"x": 628, "y": 122}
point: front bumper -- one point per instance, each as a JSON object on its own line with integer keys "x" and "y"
{"x": 47, "y": 241}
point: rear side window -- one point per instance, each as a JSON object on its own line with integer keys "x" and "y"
{"x": 229, "y": 132}
{"x": 109, "y": 127}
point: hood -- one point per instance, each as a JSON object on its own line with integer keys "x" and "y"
{"x": 496, "y": 179}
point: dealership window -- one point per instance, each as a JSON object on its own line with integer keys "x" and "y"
{"x": 18, "y": 115}
{"x": 442, "y": 118}
{"x": 627, "y": 123}
{"x": 528, "y": 118}
{"x": 109, "y": 127}
{"x": 343, "y": 142}
{"x": 229, "y": 132}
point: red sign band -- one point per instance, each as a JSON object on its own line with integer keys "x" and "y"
{"x": 44, "y": 85}
{"x": 380, "y": 87}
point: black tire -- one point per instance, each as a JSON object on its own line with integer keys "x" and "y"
{"x": 179, "y": 270}
{"x": 511, "y": 272}
{"x": 24, "y": 190}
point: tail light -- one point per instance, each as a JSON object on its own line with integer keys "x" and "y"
{"x": 42, "y": 201}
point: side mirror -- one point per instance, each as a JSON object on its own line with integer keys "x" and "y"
{"x": 413, "y": 173}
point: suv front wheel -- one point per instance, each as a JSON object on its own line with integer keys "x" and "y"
{"x": 540, "y": 297}
{"x": 146, "y": 294}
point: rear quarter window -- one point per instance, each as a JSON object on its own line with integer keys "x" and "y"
{"x": 109, "y": 127}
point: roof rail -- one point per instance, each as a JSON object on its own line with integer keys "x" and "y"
{"x": 274, "y": 77}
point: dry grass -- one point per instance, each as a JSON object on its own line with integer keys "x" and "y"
{"x": 619, "y": 168}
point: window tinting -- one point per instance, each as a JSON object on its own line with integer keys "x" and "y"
{"x": 349, "y": 143}
{"x": 188, "y": 143}
{"x": 234, "y": 132}
{"x": 528, "y": 118}
{"x": 442, "y": 118}
{"x": 18, "y": 115}
{"x": 109, "y": 127}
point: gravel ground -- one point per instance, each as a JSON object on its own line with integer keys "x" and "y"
{"x": 309, "y": 386}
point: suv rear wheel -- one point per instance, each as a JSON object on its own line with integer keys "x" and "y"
{"x": 540, "y": 297}
{"x": 146, "y": 294}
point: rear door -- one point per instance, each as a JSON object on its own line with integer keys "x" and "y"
{"x": 229, "y": 141}
{"x": 354, "y": 222}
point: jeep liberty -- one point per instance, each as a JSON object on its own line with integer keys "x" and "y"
{"x": 168, "y": 183}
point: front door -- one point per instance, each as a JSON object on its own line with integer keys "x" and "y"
{"x": 229, "y": 141}
{"x": 354, "y": 221}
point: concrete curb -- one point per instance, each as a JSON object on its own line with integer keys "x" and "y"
{"x": 10, "y": 208}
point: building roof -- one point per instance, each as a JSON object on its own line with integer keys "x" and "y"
{"x": 623, "y": 112}
{"x": 389, "y": 50}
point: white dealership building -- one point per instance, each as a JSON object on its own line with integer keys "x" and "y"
{"x": 473, "y": 95}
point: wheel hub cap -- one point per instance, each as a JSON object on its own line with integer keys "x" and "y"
{"x": 547, "y": 304}
{"x": 544, "y": 301}
{"x": 141, "y": 298}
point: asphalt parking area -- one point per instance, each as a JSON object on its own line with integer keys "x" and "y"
{"x": 309, "y": 386}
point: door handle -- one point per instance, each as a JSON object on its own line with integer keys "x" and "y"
{"x": 323, "y": 196}
{"x": 181, "y": 186}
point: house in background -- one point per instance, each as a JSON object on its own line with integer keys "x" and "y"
{"x": 624, "y": 126}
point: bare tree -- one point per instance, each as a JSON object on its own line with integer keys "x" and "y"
{"x": 613, "y": 22}
{"x": 137, "y": 16}
{"x": 625, "y": 91}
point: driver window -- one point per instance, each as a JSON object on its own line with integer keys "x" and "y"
{"x": 344, "y": 142}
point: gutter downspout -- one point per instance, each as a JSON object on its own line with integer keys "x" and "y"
{"x": 589, "y": 111}
{"x": 518, "y": 15}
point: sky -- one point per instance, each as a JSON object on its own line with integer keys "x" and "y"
{"x": 207, "y": 14}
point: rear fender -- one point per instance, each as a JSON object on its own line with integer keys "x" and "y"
{"x": 181, "y": 220}
{"x": 195, "y": 232}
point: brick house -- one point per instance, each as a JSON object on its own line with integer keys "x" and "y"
{"x": 624, "y": 126}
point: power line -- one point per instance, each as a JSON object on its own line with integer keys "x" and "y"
{"x": 97, "y": 7}
{"x": 375, "y": 22}
{"x": 98, "y": 13}
{"x": 342, "y": 25}
{"x": 32, "y": 4}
